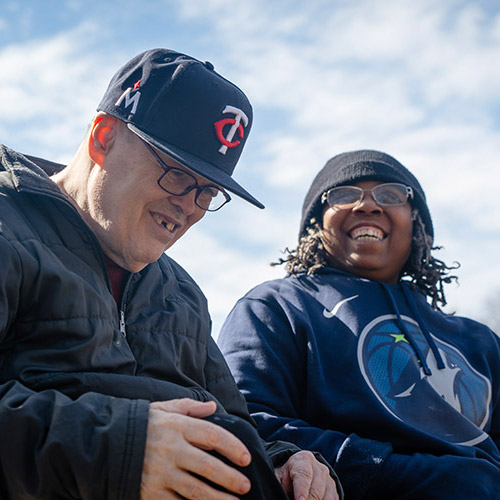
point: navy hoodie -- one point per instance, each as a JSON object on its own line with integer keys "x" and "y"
{"x": 400, "y": 398}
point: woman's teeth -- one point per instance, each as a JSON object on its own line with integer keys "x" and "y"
{"x": 367, "y": 233}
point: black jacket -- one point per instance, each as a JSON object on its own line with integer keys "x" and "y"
{"x": 75, "y": 386}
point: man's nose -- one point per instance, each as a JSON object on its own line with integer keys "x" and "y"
{"x": 185, "y": 202}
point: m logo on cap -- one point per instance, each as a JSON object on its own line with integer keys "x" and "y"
{"x": 133, "y": 101}
{"x": 227, "y": 142}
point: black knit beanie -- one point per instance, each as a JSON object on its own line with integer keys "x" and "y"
{"x": 355, "y": 166}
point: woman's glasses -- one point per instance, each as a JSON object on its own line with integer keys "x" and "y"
{"x": 389, "y": 194}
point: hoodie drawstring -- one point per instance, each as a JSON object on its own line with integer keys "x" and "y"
{"x": 423, "y": 328}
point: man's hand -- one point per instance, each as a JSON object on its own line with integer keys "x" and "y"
{"x": 304, "y": 478}
{"x": 175, "y": 444}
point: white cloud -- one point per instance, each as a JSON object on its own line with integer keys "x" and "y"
{"x": 418, "y": 80}
{"x": 51, "y": 92}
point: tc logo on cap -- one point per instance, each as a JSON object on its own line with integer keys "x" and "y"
{"x": 227, "y": 142}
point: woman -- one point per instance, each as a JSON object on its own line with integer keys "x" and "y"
{"x": 350, "y": 354}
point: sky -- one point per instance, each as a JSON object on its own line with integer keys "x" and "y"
{"x": 417, "y": 80}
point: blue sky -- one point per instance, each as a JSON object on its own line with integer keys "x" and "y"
{"x": 418, "y": 80}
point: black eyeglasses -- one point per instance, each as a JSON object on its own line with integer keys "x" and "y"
{"x": 180, "y": 182}
{"x": 389, "y": 194}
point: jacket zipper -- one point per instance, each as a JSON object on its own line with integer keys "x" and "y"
{"x": 122, "y": 323}
{"x": 123, "y": 306}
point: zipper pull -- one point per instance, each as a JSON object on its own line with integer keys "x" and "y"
{"x": 122, "y": 323}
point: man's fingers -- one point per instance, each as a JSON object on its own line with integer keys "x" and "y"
{"x": 187, "y": 485}
{"x": 200, "y": 433}
{"x": 176, "y": 459}
{"x": 209, "y": 436}
{"x": 185, "y": 406}
{"x": 209, "y": 467}
{"x": 195, "y": 489}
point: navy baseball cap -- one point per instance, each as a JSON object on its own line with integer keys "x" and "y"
{"x": 182, "y": 107}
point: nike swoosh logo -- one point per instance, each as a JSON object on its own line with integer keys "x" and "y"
{"x": 335, "y": 310}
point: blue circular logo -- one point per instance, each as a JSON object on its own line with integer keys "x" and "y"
{"x": 453, "y": 403}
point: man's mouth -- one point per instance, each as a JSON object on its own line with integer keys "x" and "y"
{"x": 366, "y": 234}
{"x": 161, "y": 221}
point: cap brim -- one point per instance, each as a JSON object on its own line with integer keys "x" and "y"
{"x": 199, "y": 166}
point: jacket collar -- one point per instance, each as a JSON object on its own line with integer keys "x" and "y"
{"x": 29, "y": 173}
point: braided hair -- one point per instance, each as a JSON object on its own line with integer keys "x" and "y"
{"x": 421, "y": 269}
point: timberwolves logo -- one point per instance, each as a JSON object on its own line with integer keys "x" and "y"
{"x": 452, "y": 404}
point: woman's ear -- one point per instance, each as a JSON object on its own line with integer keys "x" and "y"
{"x": 102, "y": 137}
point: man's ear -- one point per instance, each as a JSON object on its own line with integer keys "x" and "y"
{"x": 102, "y": 137}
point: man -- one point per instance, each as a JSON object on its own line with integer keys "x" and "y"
{"x": 110, "y": 384}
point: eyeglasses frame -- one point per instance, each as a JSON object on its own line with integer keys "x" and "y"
{"x": 409, "y": 195}
{"x": 199, "y": 189}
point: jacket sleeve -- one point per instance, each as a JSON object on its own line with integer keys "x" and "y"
{"x": 267, "y": 359}
{"x": 54, "y": 447}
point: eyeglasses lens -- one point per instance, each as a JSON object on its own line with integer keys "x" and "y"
{"x": 177, "y": 181}
{"x": 346, "y": 195}
{"x": 390, "y": 194}
{"x": 211, "y": 199}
